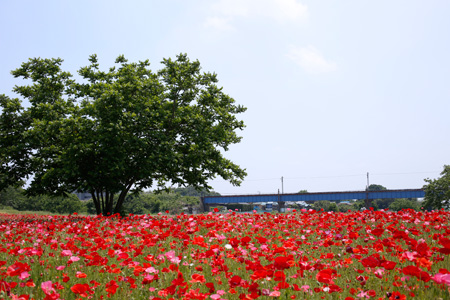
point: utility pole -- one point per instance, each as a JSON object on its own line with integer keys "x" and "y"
{"x": 367, "y": 202}
{"x": 282, "y": 186}
{"x": 367, "y": 181}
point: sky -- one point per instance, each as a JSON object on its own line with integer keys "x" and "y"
{"x": 333, "y": 89}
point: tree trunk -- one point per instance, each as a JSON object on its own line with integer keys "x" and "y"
{"x": 110, "y": 203}
{"x": 121, "y": 198}
{"x": 96, "y": 202}
{"x": 104, "y": 201}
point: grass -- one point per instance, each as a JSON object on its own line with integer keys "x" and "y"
{"x": 10, "y": 210}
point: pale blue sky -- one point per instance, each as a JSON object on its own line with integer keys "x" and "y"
{"x": 334, "y": 89}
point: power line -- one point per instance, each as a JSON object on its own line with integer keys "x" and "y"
{"x": 337, "y": 176}
{"x": 406, "y": 173}
{"x": 322, "y": 177}
{"x": 331, "y": 176}
{"x": 261, "y": 179}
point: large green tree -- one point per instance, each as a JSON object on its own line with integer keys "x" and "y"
{"x": 437, "y": 191}
{"x": 117, "y": 131}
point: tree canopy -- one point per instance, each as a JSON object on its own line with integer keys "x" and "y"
{"x": 376, "y": 187}
{"x": 117, "y": 131}
{"x": 437, "y": 191}
{"x": 402, "y": 203}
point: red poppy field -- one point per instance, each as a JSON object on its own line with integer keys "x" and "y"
{"x": 296, "y": 255}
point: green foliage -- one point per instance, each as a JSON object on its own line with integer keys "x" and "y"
{"x": 325, "y": 205}
{"x": 219, "y": 208}
{"x": 437, "y": 191}
{"x": 344, "y": 207}
{"x": 332, "y": 207}
{"x": 62, "y": 205}
{"x": 151, "y": 203}
{"x": 382, "y": 203}
{"x": 11, "y": 196}
{"x": 303, "y": 192}
{"x": 403, "y": 203}
{"x": 376, "y": 187}
{"x": 359, "y": 204}
{"x": 376, "y": 204}
{"x": 192, "y": 191}
{"x": 16, "y": 199}
{"x": 90, "y": 207}
{"x": 117, "y": 131}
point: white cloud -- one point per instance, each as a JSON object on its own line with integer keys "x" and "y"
{"x": 311, "y": 60}
{"x": 226, "y": 11}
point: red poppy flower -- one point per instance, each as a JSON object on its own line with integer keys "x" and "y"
{"x": 197, "y": 278}
{"x": 377, "y": 232}
{"x": 235, "y": 281}
{"x": 80, "y": 289}
{"x": 283, "y": 285}
{"x": 279, "y": 276}
{"x": 332, "y": 288}
{"x": 370, "y": 262}
{"x": 17, "y": 268}
{"x": 388, "y": 265}
{"x": 81, "y": 275}
{"x": 397, "y": 296}
{"x": 326, "y": 276}
{"x": 111, "y": 287}
{"x": 281, "y": 263}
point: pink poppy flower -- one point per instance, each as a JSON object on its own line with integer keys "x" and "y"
{"x": 441, "y": 278}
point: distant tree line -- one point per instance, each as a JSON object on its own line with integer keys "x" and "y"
{"x": 175, "y": 201}
{"x": 15, "y": 198}
{"x": 378, "y": 204}
{"x": 187, "y": 199}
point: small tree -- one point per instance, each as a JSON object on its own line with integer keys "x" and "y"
{"x": 12, "y": 197}
{"x": 344, "y": 207}
{"x": 325, "y": 205}
{"x": 62, "y": 205}
{"x": 382, "y": 203}
{"x": 403, "y": 203}
{"x": 333, "y": 207}
{"x": 437, "y": 191}
{"x": 376, "y": 187}
{"x": 118, "y": 131}
{"x": 361, "y": 204}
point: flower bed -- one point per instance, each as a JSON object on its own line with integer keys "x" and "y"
{"x": 297, "y": 255}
